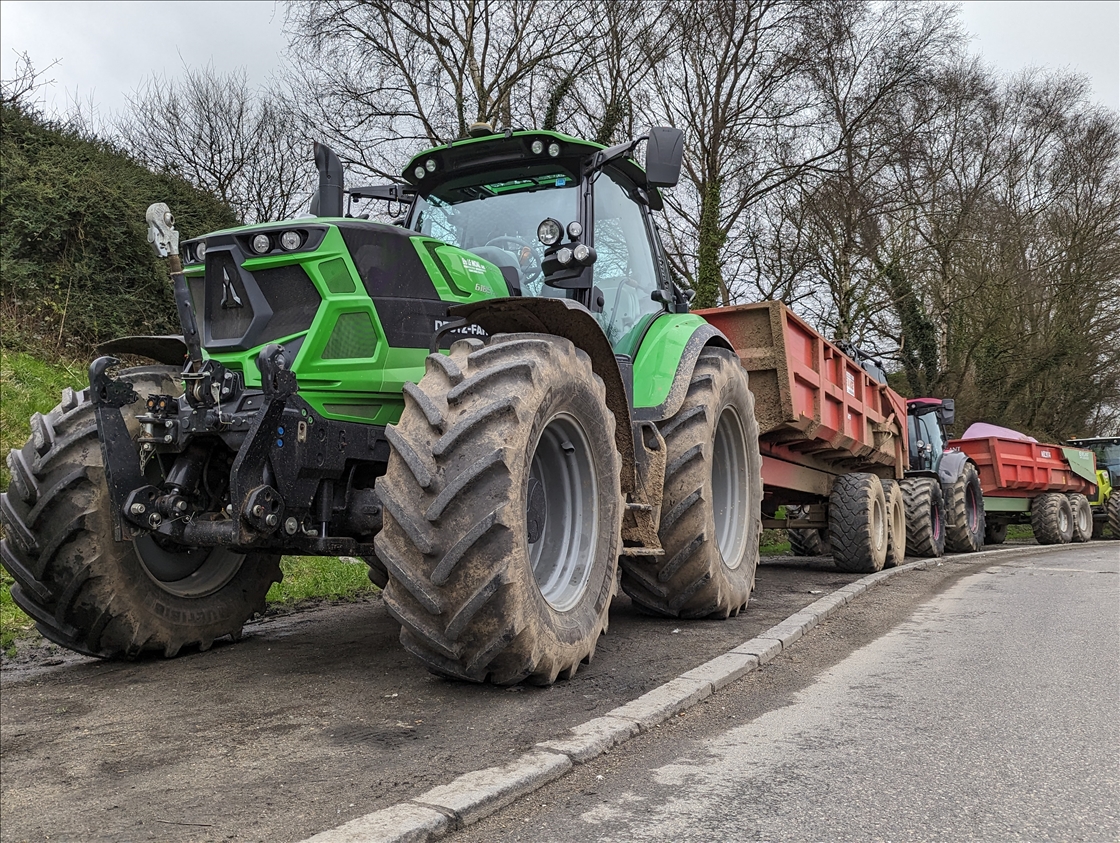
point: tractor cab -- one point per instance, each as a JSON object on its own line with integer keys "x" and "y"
{"x": 559, "y": 217}
{"x": 926, "y": 423}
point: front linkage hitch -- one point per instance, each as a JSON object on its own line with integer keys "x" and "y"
{"x": 240, "y": 468}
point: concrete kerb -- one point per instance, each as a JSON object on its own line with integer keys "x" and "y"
{"x": 480, "y": 793}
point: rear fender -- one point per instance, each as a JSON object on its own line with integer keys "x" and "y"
{"x": 952, "y": 465}
{"x": 664, "y": 363}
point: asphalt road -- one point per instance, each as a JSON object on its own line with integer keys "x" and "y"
{"x": 991, "y": 712}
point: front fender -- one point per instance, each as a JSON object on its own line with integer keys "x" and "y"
{"x": 952, "y": 464}
{"x": 170, "y": 349}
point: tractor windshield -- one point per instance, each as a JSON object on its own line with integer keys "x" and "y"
{"x": 498, "y": 220}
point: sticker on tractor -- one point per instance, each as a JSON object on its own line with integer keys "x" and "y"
{"x": 473, "y": 266}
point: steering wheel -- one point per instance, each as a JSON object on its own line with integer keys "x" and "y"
{"x": 528, "y": 259}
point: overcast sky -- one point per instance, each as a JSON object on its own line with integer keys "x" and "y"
{"x": 106, "y": 49}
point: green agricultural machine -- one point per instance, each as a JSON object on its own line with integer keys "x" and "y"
{"x": 1106, "y": 504}
{"x": 497, "y": 402}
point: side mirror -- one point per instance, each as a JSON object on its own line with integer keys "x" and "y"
{"x": 330, "y": 182}
{"x": 664, "y": 153}
{"x": 947, "y": 412}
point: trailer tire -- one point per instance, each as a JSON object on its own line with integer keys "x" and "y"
{"x": 1113, "y": 509}
{"x": 502, "y": 511}
{"x": 857, "y": 523}
{"x": 995, "y": 532}
{"x": 711, "y": 507}
{"x": 1082, "y": 517}
{"x": 964, "y": 512}
{"x": 98, "y": 596}
{"x": 809, "y": 541}
{"x": 896, "y": 524}
{"x": 925, "y": 516}
{"x": 1052, "y": 518}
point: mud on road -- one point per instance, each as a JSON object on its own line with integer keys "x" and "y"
{"x": 312, "y": 719}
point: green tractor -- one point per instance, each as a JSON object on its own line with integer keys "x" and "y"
{"x": 498, "y": 401}
{"x": 1106, "y": 505}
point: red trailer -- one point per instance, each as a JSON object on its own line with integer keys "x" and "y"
{"x": 1026, "y": 481}
{"x": 833, "y": 438}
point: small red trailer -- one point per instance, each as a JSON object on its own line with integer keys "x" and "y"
{"x": 833, "y": 439}
{"x": 1026, "y": 481}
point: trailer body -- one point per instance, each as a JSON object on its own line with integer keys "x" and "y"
{"x": 1022, "y": 468}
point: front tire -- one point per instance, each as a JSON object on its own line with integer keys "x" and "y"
{"x": 857, "y": 523}
{"x": 98, "y": 596}
{"x": 711, "y": 506}
{"x": 503, "y": 511}
{"x": 964, "y": 512}
{"x": 925, "y": 516}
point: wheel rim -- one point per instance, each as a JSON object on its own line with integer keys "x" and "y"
{"x": 729, "y": 487}
{"x": 973, "y": 510}
{"x": 935, "y": 520}
{"x": 879, "y": 525}
{"x": 187, "y": 572}
{"x": 562, "y": 512}
{"x": 1063, "y": 520}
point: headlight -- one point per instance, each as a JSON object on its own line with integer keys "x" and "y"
{"x": 261, "y": 244}
{"x": 554, "y": 149}
{"x": 564, "y": 256}
{"x": 549, "y": 232}
{"x": 581, "y": 253}
{"x": 430, "y": 165}
{"x": 574, "y": 229}
{"x": 291, "y": 240}
{"x": 200, "y": 251}
{"x": 537, "y": 146}
{"x": 419, "y": 172}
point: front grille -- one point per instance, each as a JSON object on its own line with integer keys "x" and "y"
{"x": 292, "y": 298}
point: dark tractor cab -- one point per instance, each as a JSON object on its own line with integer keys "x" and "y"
{"x": 926, "y": 423}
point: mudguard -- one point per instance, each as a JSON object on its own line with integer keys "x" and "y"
{"x": 170, "y": 349}
{"x": 952, "y": 464}
{"x": 665, "y": 360}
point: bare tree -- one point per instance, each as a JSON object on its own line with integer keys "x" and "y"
{"x": 244, "y": 146}
{"x": 19, "y": 90}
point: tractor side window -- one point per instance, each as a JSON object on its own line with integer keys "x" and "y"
{"x": 624, "y": 270}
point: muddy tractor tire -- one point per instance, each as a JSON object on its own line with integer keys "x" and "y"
{"x": 1113, "y": 509}
{"x": 710, "y": 510}
{"x": 995, "y": 532}
{"x": 1082, "y": 517}
{"x": 857, "y": 523}
{"x": 808, "y": 541}
{"x": 1052, "y": 518}
{"x": 96, "y": 595}
{"x": 964, "y": 512}
{"x": 896, "y": 524}
{"x": 925, "y": 516}
{"x": 502, "y": 511}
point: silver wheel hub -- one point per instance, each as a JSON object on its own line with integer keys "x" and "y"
{"x": 729, "y": 487}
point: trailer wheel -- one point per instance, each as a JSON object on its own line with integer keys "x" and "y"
{"x": 925, "y": 516}
{"x": 1113, "y": 509}
{"x": 964, "y": 512}
{"x": 502, "y": 511}
{"x": 995, "y": 532}
{"x": 896, "y": 523}
{"x": 1082, "y": 517}
{"x": 96, "y": 595}
{"x": 809, "y": 541}
{"x": 1052, "y": 518}
{"x": 710, "y": 510}
{"x": 857, "y": 522}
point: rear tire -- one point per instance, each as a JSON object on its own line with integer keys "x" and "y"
{"x": 711, "y": 507}
{"x": 995, "y": 533}
{"x": 1082, "y": 517}
{"x": 502, "y": 511}
{"x": 1052, "y": 518}
{"x": 857, "y": 523}
{"x": 96, "y": 595}
{"x": 1113, "y": 509}
{"x": 964, "y": 512}
{"x": 925, "y": 516}
{"x": 896, "y": 524}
